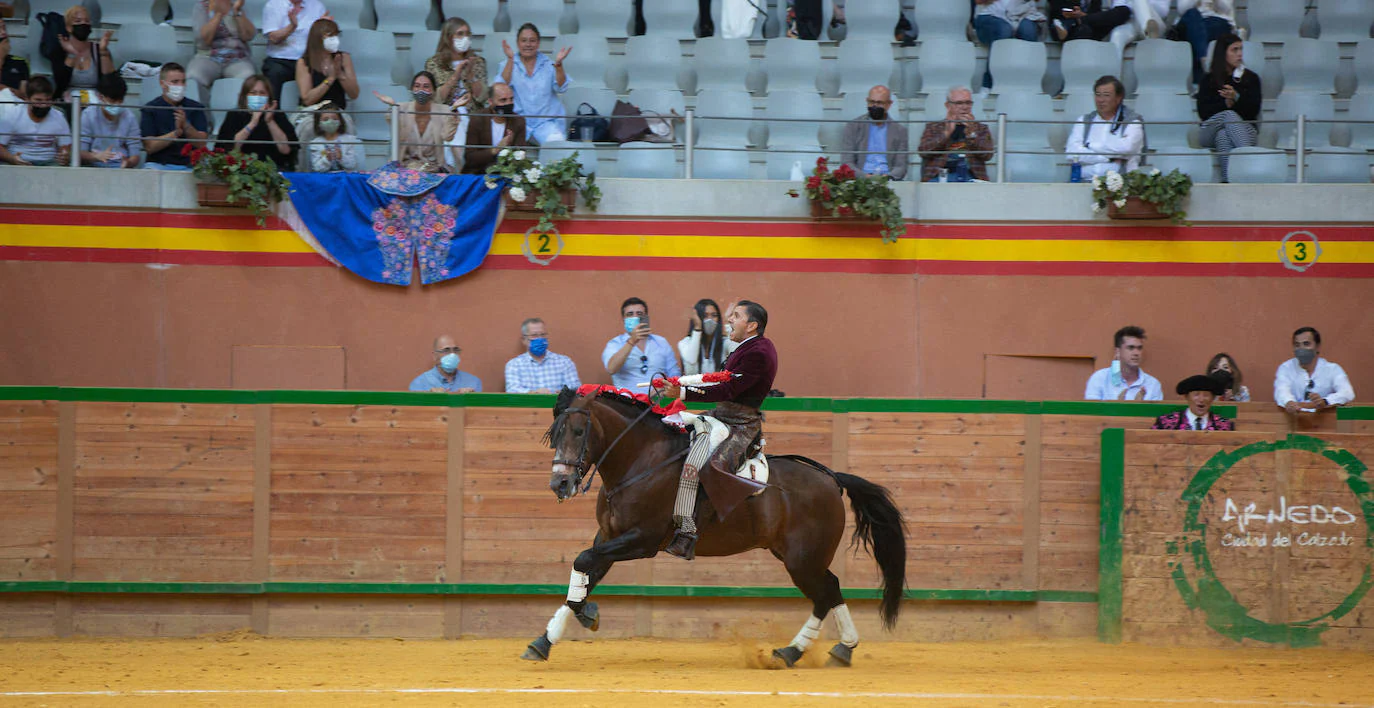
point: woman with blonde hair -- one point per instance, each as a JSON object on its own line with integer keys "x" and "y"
{"x": 86, "y": 61}
{"x": 324, "y": 73}
{"x": 462, "y": 76}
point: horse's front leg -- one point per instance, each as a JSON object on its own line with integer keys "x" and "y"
{"x": 588, "y": 570}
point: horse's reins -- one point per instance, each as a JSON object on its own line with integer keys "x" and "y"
{"x": 581, "y": 462}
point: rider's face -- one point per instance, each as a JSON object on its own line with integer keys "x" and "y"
{"x": 739, "y": 323}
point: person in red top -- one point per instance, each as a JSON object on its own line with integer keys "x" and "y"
{"x": 755, "y": 365}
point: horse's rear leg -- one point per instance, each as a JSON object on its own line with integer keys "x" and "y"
{"x": 823, "y": 589}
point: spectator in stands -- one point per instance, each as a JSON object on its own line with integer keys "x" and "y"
{"x": 805, "y": 19}
{"x": 257, "y": 128}
{"x": 109, "y": 131}
{"x": 86, "y": 61}
{"x": 1087, "y": 19}
{"x": 324, "y": 73}
{"x": 286, "y": 24}
{"x": 1124, "y": 380}
{"x": 1307, "y": 382}
{"x": 223, "y": 32}
{"x": 638, "y": 355}
{"x": 1202, "y": 21}
{"x": 1228, "y": 102}
{"x": 874, "y": 144}
{"x": 36, "y": 136}
{"x": 459, "y": 69}
{"x": 1004, "y": 19}
{"x": 1110, "y": 139}
{"x": 171, "y": 121}
{"x": 14, "y": 70}
{"x": 959, "y": 144}
{"x": 334, "y": 149}
{"x": 539, "y": 370}
{"x": 537, "y": 85}
{"x": 500, "y": 129}
{"x": 1200, "y": 390}
{"x": 425, "y": 126}
{"x": 1225, "y": 363}
{"x": 444, "y": 376}
{"x": 705, "y": 347}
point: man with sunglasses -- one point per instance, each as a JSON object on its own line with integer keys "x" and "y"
{"x": 444, "y": 376}
{"x": 638, "y": 355}
{"x": 1308, "y": 383}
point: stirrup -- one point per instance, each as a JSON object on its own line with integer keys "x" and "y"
{"x": 683, "y": 546}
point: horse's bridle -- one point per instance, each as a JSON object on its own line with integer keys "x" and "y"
{"x": 579, "y": 465}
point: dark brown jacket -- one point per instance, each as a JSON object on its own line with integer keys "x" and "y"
{"x": 977, "y": 150}
{"x": 476, "y": 159}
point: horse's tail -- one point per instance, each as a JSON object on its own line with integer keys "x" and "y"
{"x": 879, "y": 526}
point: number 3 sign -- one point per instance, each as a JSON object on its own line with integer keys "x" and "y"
{"x": 1300, "y": 250}
{"x": 542, "y": 247}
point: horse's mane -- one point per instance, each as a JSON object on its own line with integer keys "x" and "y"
{"x": 567, "y": 396}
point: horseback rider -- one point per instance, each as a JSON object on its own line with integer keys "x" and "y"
{"x": 755, "y": 364}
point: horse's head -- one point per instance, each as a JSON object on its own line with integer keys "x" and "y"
{"x": 570, "y": 436}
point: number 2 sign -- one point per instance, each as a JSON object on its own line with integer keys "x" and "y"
{"x": 542, "y": 247}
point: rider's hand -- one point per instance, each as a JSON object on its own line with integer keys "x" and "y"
{"x": 670, "y": 390}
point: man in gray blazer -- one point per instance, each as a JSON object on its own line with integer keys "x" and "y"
{"x": 866, "y": 137}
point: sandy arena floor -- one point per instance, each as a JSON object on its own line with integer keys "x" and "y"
{"x": 245, "y": 670}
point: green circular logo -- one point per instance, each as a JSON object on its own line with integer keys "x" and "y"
{"x": 1224, "y": 613}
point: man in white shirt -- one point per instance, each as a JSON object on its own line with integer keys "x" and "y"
{"x": 1308, "y": 383}
{"x": 1123, "y": 380}
{"x": 286, "y": 25}
{"x": 1110, "y": 139}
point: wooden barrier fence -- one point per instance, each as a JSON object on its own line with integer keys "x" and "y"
{"x": 162, "y": 512}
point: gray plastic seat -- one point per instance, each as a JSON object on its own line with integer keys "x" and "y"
{"x": 479, "y": 14}
{"x": 1033, "y": 168}
{"x": 360, "y": 14}
{"x": 548, "y": 15}
{"x": 647, "y": 161}
{"x": 760, "y": 18}
{"x": 399, "y": 16}
{"x": 587, "y": 63}
{"x": 658, "y": 100}
{"x": 1318, "y": 107}
{"x": 291, "y": 96}
{"x": 120, "y": 12}
{"x": 1197, "y": 164}
{"x": 1162, "y": 65}
{"x": 1364, "y": 65}
{"x": 599, "y": 20}
{"x": 423, "y": 45}
{"x": 602, "y": 99}
{"x": 940, "y": 18}
{"x": 1361, "y": 108}
{"x": 557, "y": 150}
{"x": 727, "y": 163}
{"x": 492, "y": 52}
{"x": 1274, "y": 20}
{"x": 785, "y": 109}
{"x": 1084, "y": 60}
{"x": 374, "y": 53}
{"x": 947, "y": 62}
{"x": 1345, "y": 20}
{"x": 870, "y": 19}
{"x": 1169, "y": 117}
{"x": 1017, "y": 65}
{"x": 224, "y": 97}
{"x": 782, "y": 158}
{"x": 1022, "y": 106}
{"x": 650, "y": 63}
{"x": 727, "y": 108}
{"x": 670, "y": 18}
{"x": 1338, "y": 165}
{"x": 154, "y": 43}
{"x": 722, "y": 63}
{"x": 792, "y": 65}
{"x": 1310, "y": 65}
{"x": 1257, "y": 165}
{"x": 863, "y": 65}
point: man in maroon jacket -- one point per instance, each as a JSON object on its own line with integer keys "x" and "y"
{"x": 755, "y": 364}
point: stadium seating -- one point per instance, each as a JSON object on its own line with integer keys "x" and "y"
{"x": 556, "y": 150}
{"x": 863, "y": 65}
{"x": 1345, "y": 20}
{"x": 653, "y": 62}
{"x": 946, "y": 62}
{"x": 673, "y": 19}
{"x": 359, "y": 14}
{"x": 722, "y": 63}
{"x": 1197, "y": 164}
{"x": 550, "y": 16}
{"x": 1361, "y": 108}
{"x": 720, "y": 162}
{"x": 1169, "y": 118}
{"x": 870, "y": 20}
{"x": 1310, "y": 65}
{"x": 724, "y": 107}
{"x": 149, "y": 43}
{"x": 658, "y": 100}
{"x": 398, "y": 16}
{"x": 1017, "y": 65}
{"x": 647, "y": 161}
{"x": 1317, "y": 107}
{"x": 422, "y": 47}
{"x": 1274, "y": 20}
{"x": 603, "y": 19}
{"x": 120, "y": 12}
{"x": 1337, "y": 165}
{"x": 1257, "y": 165}
{"x": 1162, "y": 65}
{"x": 801, "y": 106}
{"x": 792, "y": 65}
{"x": 602, "y": 99}
{"x": 479, "y": 14}
{"x": 940, "y": 18}
{"x": 588, "y": 61}
{"x": 1083, "y": 61}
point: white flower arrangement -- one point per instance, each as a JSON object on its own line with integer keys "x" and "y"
{"x": 517, "y": 194}
{"x": 1165, "y": 192}
{"x": 519, "y": 154}
{"x": 544, "y": 185}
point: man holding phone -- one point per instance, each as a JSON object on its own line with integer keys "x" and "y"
{"x": 638, "y": 355}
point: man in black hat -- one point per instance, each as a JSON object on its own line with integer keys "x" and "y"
{"x": 1200, "y": 390}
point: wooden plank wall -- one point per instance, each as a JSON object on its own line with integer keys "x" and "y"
{"x": 28, "y": 526}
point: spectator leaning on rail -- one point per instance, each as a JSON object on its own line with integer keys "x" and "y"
{"x": 425, "y": 126}
{"x": 500, "y": 129}
{"x": 171, "y": 121}
{"x": 36, "y": 136}
{"x": 874, "y": 144}
{"x": 537, "y": 84}
{"x": 14, "y": 70}
{"x": 334, "y": 149}
{"x": 1200, "y": 390}
{"x": 1004, "y": 19}
{"x": 707, "y": 344}
{"x": 286, "y": 24}
{"x": 444, "y": 376}
{"x": 1124, "y": 380}
{"x": 539, "y": 370}
{"x": 959, "y": 144}
{"x": 109, "y": 131}
{"x": 1307, "y": 382}
{"x": 1199, "y": 23}
{"x": 85, "y": 61}
{"x": 1110, "y": 139}
{"x": 1236, "y": 390}
{"x": 638, "y": 355}
{"x": 1228, "y": 102}
{"x": 1087, "y": 19}
{"x": 223, "y": 32}
{"x": 257, "y": 127}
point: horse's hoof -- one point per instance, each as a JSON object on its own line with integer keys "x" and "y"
{"x": 841, "y": 655}
{"x": 589, "y": 617}
{"x": 789, "y": 655}
{"x": 538, "y": 650}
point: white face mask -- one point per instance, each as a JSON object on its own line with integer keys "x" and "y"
{"x": 176, "y": 93}
{"x": 462, "y": 44}
{"x": 331, "y": 44}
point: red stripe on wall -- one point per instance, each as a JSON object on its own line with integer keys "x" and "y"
{"x": 150, "y": 255}
{"x": 139, "y": 219}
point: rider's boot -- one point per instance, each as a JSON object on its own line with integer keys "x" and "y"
{"x": 684, "y": 545}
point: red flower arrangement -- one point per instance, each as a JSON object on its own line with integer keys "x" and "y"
{"x": 252, "y": 181}
{"x": 842, "y": 192}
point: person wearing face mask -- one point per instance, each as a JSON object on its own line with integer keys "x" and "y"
{"x": 85, "y": 61}
{"x": 490, "y": 133}
{"x": 1308, "y": 383}
{"x": 258, "y": 128}
{"x": 171, "y": 121}
{"x": 444, "y": 376}
{"x": 37, "y": 136}
{"x": 223, "y": 32}
{"x": 286, "y": 25}
{"x": 959, "y": 144}
{"x": 706, "y": 345}
{"x": 425, "y": 127}
{"x": 874, "y": 144}
{"x": 538, "y": 81}
{"x": 334, "y": 149}
{"x": 459, "y": 69}
{"x": 539, "y": 370}
{"x": 14, "y": 70}
{"x": 109, "y": 131}
{"x": 638, "y": 355}
{"x": 324, "y": 73}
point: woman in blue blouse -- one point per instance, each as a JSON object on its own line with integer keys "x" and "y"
{"x": 537, "y": 84}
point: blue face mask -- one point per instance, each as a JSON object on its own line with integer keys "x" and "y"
{"x": 630, "y": 324}
{"x": 449, "y": 363}
{"x": 539, "y": 346}
{"x": 257, "y": 103}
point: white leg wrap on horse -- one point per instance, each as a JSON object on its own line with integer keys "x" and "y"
{"x": 558, "y": 624}
{"x": 577, "y": 586}
{"x": 808, "y": 633}
{"x": 849, "y": 636}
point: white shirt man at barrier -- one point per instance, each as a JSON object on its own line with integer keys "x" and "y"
{"x": 1308, "y": 383}
{"x": 1124, "y": 380}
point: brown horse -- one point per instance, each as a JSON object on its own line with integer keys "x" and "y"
{"x": 799, "y": 517}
